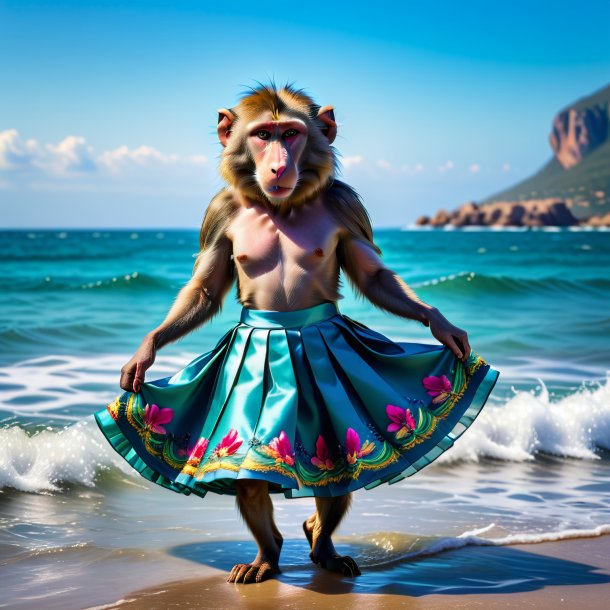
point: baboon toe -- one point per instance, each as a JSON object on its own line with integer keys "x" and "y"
{"x": 344, "y": 564}
{"x": 266, "y": 571}
{"x": 245, "y": 573}
{"x": 308, "y": 533}
{"x": 237, "y": 569}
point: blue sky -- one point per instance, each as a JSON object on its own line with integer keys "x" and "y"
{"x": 107, "y": 113}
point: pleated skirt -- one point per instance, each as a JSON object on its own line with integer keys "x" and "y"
{"x": 311, "y": 401}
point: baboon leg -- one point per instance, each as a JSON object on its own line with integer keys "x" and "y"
{"x": 256, "y": 508}
{"x": 318, "y": 529}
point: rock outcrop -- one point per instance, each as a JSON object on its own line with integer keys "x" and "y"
{"x": 531, "y": 213}
{"x": 576, "y": 132}
{"x": 602, "y": 220}
{"x": 573, "y": 186}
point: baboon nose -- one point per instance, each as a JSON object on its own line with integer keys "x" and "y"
{"x": 278, "y": 172}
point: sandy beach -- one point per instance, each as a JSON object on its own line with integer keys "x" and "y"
{"x": 564, "y": 574}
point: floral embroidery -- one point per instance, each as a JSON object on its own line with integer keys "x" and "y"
{"x": 113, "y": 408}
{"x": 196, "y": 452}
{"x": 228, "y": 445}
{"x": 194, "y": 455}
{"x": 354, "y": 451}
{"x": 473, "y": 363}
{"x": 277, "y": 456}
{"x": 281, "y": 450}
{"x": 154, "y": 417}
{"x": 342, "y": 465}
{"x": 403, "y": 422}
{"x": 148, "y": 422}
{"x": 224, "y": 456}
{"x": 319, "y": 469}
{"x": 322, "y": 458}
{"x": 438, "y": 387}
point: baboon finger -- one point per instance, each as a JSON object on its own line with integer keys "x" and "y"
{"x": 139, "y": 377}
{"x": 467, "y": 348}
{"x": 452, "y": 345}
{"x": 126, "y": 382}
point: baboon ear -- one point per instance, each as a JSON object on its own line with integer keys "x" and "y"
{"x": 327, "y": 115}
{"x": 225, "y": 120}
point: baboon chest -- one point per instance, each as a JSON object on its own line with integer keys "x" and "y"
{"x": 262, "y": 242}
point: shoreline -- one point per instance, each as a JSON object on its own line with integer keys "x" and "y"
{"x": 571, "y": 573}
{"x": 406, "y": 227}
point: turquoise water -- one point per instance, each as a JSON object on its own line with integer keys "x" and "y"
{"x": 76, "y": 304}
{"x": 533, "y": 302}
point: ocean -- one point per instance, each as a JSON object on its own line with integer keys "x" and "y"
{"x": 75, "y": 305}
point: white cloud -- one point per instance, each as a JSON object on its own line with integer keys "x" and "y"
{"x": 198, "y": 159}
{"x": 505, "y": 167}
{"x": 383, "y": 164}
{"x": 349, "y": 162}
{"x": 16, "y": 153}
{"x": 72, "y": 154}
{"x": 419, "y": 167}
{"x": 474, "y": 168}
{"x": 448, "y": 165}
{"x": 142, "y": 156}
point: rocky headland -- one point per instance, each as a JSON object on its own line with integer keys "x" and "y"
{"x": 529, "y": 213}
{"x": 573, "y": 188}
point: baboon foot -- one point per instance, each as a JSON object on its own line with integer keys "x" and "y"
{"x": 253, "y": 572}
{"x": 327, "y": 557}
{"x": 341, "y": 563}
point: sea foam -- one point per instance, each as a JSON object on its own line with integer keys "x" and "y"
{"x": 528, "y": 424}
{"x": 40, "y": 462}
{"x": 392, "y": 551}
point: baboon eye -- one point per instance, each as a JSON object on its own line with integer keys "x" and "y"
{"x": 290, "y": 133}
{"x": 263, "y": 134}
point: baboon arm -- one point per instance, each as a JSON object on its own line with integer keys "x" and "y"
{"x": 366, "y": 271}
{"x": 201, "y": 298}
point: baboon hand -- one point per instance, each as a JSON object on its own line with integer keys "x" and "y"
{"x": 133, "y": 373}
{"x": 449, "y": 335}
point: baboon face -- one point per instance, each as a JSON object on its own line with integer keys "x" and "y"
{"x": 277, "y": 146}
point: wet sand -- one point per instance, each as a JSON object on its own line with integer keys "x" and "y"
{"x": 566, "y": 574}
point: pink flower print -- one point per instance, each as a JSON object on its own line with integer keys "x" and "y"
{"x": 402, "y": 421}
{"x": 196, "y": 452}
{"x": 281, "y": 449}
{"x": 439, "y": 387}
{"x": 154, "y": 417}
{"x": 354, "y": 450}
{"x": 228, "y": 445}
{"x": 199, "y": 449}
{"x": 322, "y": 458}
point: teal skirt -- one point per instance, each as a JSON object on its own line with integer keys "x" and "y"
{"x": 313, "y": 402}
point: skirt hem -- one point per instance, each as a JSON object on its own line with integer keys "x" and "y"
{"x": 123, "y": 447}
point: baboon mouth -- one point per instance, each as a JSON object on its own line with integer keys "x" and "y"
{"x": 278, "y": 191}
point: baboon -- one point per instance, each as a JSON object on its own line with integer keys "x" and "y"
{"x": 283, "y": 228}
